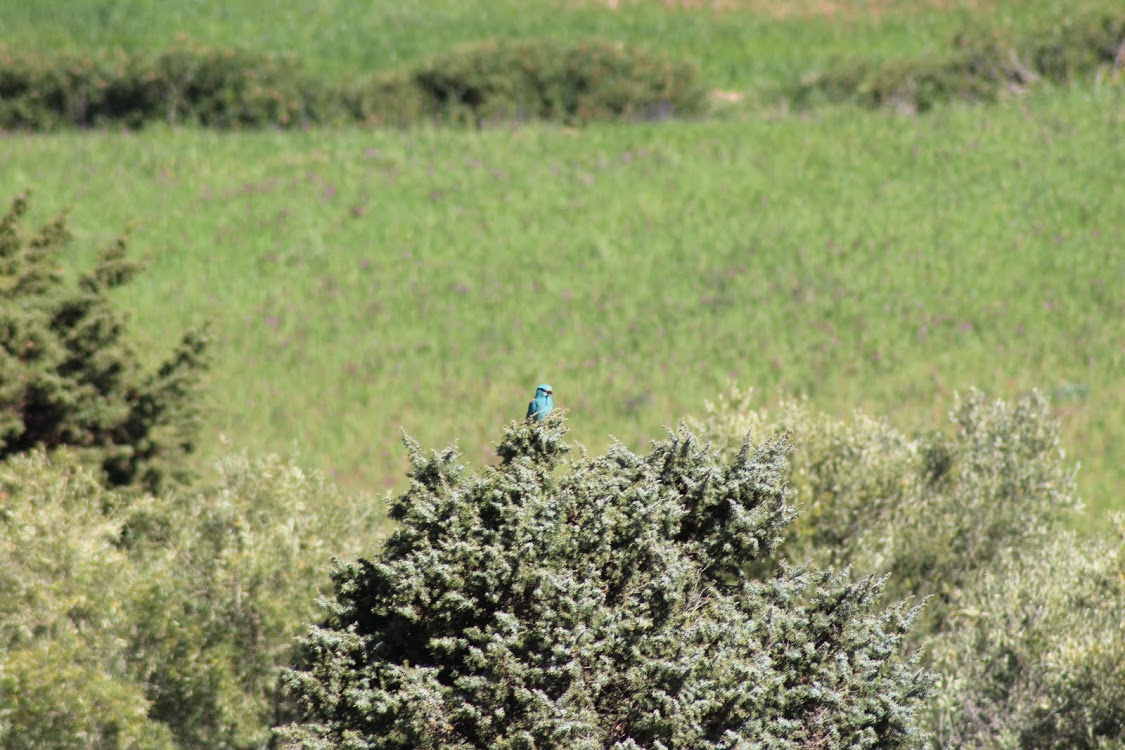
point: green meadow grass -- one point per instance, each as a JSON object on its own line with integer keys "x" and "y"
{"x": 737, "y": 49}
{"x": 366, "y": 281}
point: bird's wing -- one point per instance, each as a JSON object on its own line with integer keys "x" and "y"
{"x": 531, "y": 408}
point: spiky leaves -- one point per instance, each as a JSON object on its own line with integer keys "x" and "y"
{"x": 600, "y": 604}
{"x": 67, "y": 374}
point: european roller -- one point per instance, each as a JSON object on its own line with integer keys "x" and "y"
{"x": 542, "y": 404}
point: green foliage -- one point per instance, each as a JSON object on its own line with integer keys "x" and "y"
{"x": 600, "y": 604}
{"x": 936, "y": 511}
{"x": 919, "y": 84}
{"x": 595, "y": 80}
{"x": 68, "y": 376}
{"x": 1024, "y": 617}
{"x": 1081, "y": 44}
{"x": 982, "y": 65}
{"x": 225, "y": 88}
{"x": 157, "y": 622}
{"x": 1035, "y": 657}
{"x": 237, "y": 88}
{"x": 232, "y": 574}
{"x": 65, "y": 614}
{"x": 188, "y": 83}
{"x": 390, "y": 99}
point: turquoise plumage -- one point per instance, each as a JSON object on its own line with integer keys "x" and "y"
{"x": 542, "y": 404}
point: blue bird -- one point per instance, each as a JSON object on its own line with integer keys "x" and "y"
{"x": 542, "y": 404}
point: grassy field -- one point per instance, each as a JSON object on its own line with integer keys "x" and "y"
{"x": 362, "y": 281}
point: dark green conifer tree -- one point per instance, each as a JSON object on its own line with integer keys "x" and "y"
{"x": 67, "y": 374}
{"x": 601, "y": 603}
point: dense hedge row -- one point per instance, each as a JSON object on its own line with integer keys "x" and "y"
{"x": 981, "y": 66}
{"x": 479, "y": 83}
{"x": 584, "y": 81}
{"x": 210, "y": 87}
{"x": 501, "y": 81}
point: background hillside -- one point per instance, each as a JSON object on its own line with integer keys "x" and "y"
{"x": 364, "y": 280}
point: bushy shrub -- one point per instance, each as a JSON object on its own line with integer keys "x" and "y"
{"x": 146, "y": 621}
{"x": 231, "y": 576}
{"x": 935, "y": 511}
{"x": 1023, "y": 623}
{"x": 67, "y": 374}
{"x": 187, "y": 84}
{"x": 41, "y": 93}
{"x": 384, "y": 99}
{"x": 502, "y": 80}
{"x": 981, "y": 65}
{"x": 602, "y": 603}
{"x": 1079, "y": 45}
{"x": 1035, "y": 657}
{"x": 229, "y": 88}
{"x": 65, "y": 590}
{"x": 918, "y": 85}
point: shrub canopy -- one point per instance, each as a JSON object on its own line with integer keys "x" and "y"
{"x": 982, "y": 64}
{"x": 936, "y": 511}
{"x": 1035, "y": 658}
{"x": 1023, "y": 619}
{"x": 154, "y": 622}
{"x": 68, "y": 375}
{"x": 603, "y": 603}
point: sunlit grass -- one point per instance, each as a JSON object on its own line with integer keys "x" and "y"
{"x": 365, "y": 281}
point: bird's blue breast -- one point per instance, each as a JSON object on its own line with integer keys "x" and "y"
{"x": 540, "y": 406}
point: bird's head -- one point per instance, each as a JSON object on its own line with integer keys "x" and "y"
{"x": 543, "y": 389}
